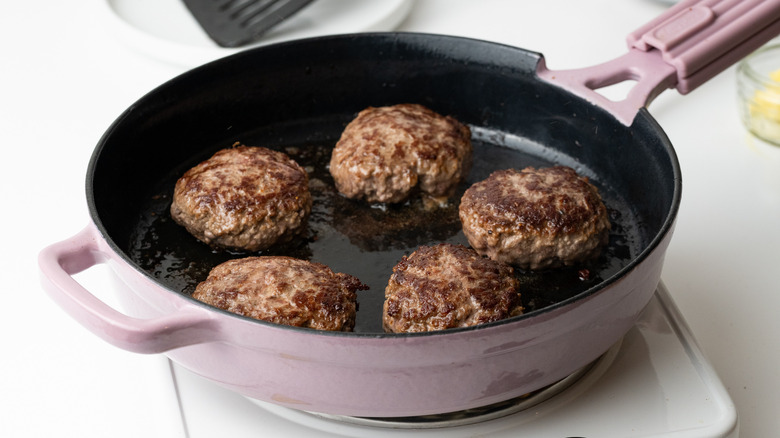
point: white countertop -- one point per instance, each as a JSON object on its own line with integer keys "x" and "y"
{"x": 66, "y": 77}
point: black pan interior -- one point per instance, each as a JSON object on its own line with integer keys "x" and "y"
{"x": 298, "y": 96}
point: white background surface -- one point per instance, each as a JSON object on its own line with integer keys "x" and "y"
{"x": 66, "y": 77}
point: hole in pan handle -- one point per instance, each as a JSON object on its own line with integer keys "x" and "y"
{"x": 60, "y": 261}
{"x": 683, "y": 48}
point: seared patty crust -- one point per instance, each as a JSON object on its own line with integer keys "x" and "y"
{"x": 448, "y": 286}
{"x": 535, "y": 218}
{"x": 386, "y": 153}
{"x": 283, "y": 290}
{"x": 243, "y": 198}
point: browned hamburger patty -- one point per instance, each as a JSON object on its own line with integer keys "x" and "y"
{"x": 283, "y": 290}
{"x": 245, "y": 198}
{"x": 535, "y": 218}
{"x": 447, "y": 286}
{"x": 385, "y": 153}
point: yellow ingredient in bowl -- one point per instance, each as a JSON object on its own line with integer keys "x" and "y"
{"x": 765, "y": 110}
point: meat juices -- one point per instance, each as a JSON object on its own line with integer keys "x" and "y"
{"x": 386, "y": 153}
{"x": 243, "y": 198}
{"x": 535, "y": 218}
{"x": 448, "y": 286}
{"x": 283, "y": 290}
{"x": 250, "y": 198}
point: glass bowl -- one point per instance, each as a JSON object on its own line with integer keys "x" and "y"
{"x": 758, "y": 86}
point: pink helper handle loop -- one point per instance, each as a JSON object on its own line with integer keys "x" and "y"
{"x": 60, "y": 261}
{"x": 683, "y": 48}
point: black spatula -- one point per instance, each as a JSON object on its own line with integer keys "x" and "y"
{"x": 234, "y": 23}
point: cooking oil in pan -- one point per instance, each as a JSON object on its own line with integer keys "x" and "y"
{"x": 368, "y": 240}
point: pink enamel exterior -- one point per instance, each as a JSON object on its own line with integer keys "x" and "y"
{"x": 378, "y": 376}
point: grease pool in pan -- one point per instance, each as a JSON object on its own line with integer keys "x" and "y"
{"x": 368, "y": 240}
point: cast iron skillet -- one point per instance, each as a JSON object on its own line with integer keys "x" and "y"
{"x": 301, "y": 104}
{"x": 297, "y": 97}
{"x": 515, "y": 122}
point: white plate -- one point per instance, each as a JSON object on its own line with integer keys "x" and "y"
{"x": 165, "y": 29}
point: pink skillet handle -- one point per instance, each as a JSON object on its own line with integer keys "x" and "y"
{"x": 58, "y": 262}
{"x": 684, "y": 47}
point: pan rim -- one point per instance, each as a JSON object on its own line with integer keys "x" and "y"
{"x": 643, "y": 120}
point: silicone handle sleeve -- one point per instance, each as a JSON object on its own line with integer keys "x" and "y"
{"x": 682, "y": 48}
{"x": 59, "y": 262}
{"x": 700, "y": 38}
